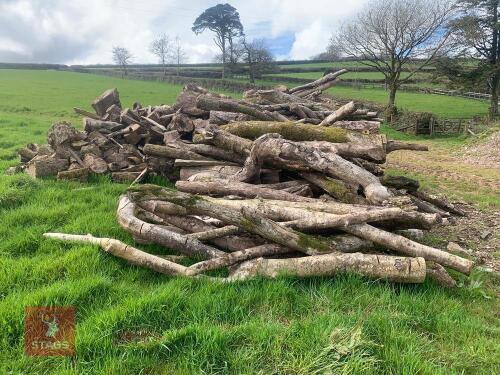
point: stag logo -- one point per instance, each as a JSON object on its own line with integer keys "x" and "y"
{"x": 52, "y": 327}
{"x": 49, "y": 330}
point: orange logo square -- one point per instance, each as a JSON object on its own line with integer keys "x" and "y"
{"x": 49, "y": 331}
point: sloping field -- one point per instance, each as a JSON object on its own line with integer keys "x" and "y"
{"x": 132, "y": 321}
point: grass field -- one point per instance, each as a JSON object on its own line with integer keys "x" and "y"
{"x": 348, "y": 75}
{"x": 132, "y": 321}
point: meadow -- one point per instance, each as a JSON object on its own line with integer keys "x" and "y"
{"x": 131, "y": 320}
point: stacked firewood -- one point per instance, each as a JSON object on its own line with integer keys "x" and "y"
{"x": 283, "y": 181}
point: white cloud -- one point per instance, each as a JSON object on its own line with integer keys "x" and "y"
{"x": 83, "y": 31}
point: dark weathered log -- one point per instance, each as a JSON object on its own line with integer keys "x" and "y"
{"x": 63, "y": 133}
{"x": 401, "y": 182}
{"x": 124, "y": 177}
{"x": 428, "y": 207}
{"x": 182, "y": 123}
{"x": 385, "y": 267}
{"x": 46, "y": 166}
{"x": 336, "y": 188}
{"x": 319, "y": 82}
{"x": 214, "y": 104}
{"x": 226, "y": 187}
{"x": 26, "y": 154}
{"x": 438, "y": 202}
{"x": 185, "y": 245}
{"x": 374, "y": 169}
{"x": 106, "y": 100}
{"x": 339, "y": 114}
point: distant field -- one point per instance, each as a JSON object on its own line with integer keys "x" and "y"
{"x": 441, "y": 105}
{"x": 133, "y": 321}
{"x": 349, "y": 75}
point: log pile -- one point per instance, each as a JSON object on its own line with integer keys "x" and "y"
{"x": 281, "y": 181}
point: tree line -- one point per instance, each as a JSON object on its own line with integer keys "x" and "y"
{"x": 390, "y": 36}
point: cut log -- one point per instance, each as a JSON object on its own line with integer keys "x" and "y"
{"x": 226, "y": 187}
{"x": 79, "y": 174}
{"x": 46, "y": 167}
{"x": 182, "y": 123}
{"x": 401, "y": 182}
{"x": 438, "y": 202}
{"x": 222, "y": 118}
{"x": 223, "y": 139}
{"x": 172, "y": 151}
{"x": 91, "y": 125}
{"x": 208, "y": 103}
{"x": 124, "y": 177}
{"x": 86, "y": 113}
{"x": 211, "y": 152}
{"x": 289, "y": 130}
{"x": 202, "y": 163}
{"x": 105, "y": 100}
{"x": 313, "y": 85}
{"x": 185, "y": 245}
{"x": 385, "y": 267}
{"x": 63, "y": 133}
{"x": 398, "y": 145}
{"x": 95, "y": 164}
{"x": 362, "y": 126}
{"x": 339, "y": 114}
{"x": 208, "y": 173}
{"x": 282, "y": 153}
{"x": 371, "y": 151}
{"x": 336, "y": 188}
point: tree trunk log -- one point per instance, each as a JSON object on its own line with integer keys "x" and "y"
{"x": 339, "y": 114}
{"x": 173, "y": 151}
{"x": 216, "y": 104}
{"x": 391, "y": 268}
{"x": 313, "y": 85}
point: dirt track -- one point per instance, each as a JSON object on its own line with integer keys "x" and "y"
{"x": 462, "y": 176}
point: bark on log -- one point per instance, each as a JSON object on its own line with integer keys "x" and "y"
{"x": 172, "y": 151}
{"x": 438, "y": 202}
{"x": 208, "y": 173}
{"x": 91, "y": 125}
{"x": 124, "y": 251}
{"x": 214, "y": 104}
{"x": 336, "y": 188}
{"x": 362, "y": 126}
{"x": 385, "y": 267}
{"x": 371, "y": 151}
{"x": 408, "y": 247}
{"x": 282, "y": 153}
{"x": 210, "y": 152}
{"x": 227, "y": 187}
{"x": 244, "y": 218}
{"x": 236, "y": 257}
{"x": 95, "y": 163}
{"x": 401, "y": 182}
{"x": 313, "y": 85}
{"x": 187, "y": 246}
{"x": 222, "y": 118}
{"x": 398, "y": 145}
{"x": 86, "y": 113}
{"x": 224, "y": 140}
{"x": 202, "y": 163}
{"x": 339, "y": 114}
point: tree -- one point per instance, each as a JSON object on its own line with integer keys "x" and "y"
{"x": 257, "y": 57}
{"x": 162, "y": 48}
{"x": 178, "y": 54}
{"x": 122, "y": 57}
{"x": 477, "y": 30}
{"x": 392, "y": 35}
{"x": 224, "y": 21}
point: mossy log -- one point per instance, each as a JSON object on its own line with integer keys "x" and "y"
{"x": 289, "y": 130}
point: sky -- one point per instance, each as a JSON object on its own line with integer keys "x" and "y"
{"x": 84, "y": 31}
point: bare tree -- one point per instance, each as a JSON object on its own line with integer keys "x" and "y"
{"x": 178, "y": 54}
{"x": 390, "y": 35}
{"x": 162, "y": 48}
{"x": 122, "y": 57}
{"x": 257, "y": 57}
{"x": 332, "y": 53}
{"x": 477, "y": 31}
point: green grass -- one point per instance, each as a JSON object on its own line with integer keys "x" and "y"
{"x": 344, "y": 325}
